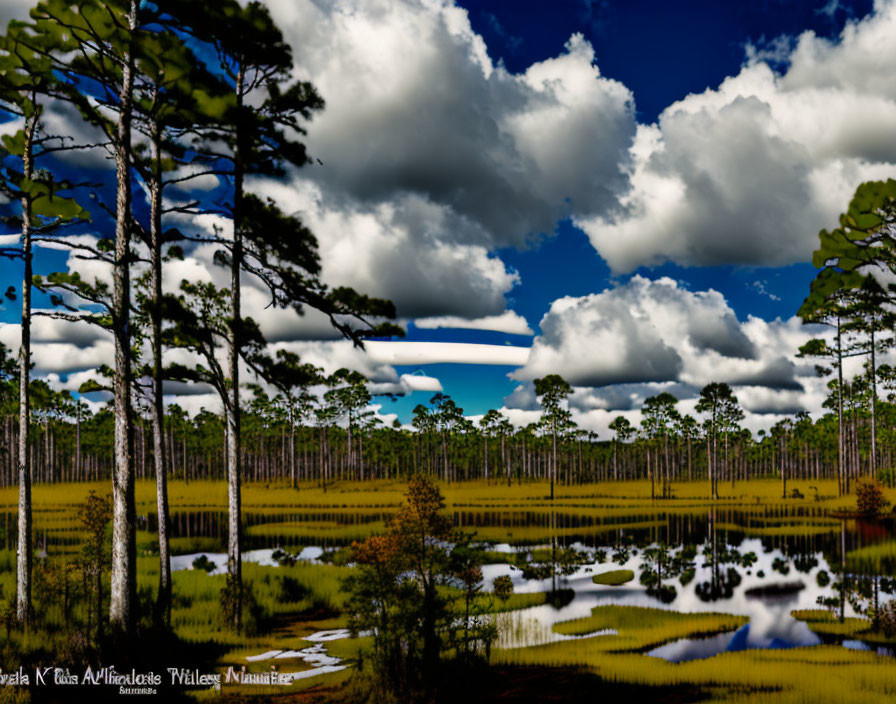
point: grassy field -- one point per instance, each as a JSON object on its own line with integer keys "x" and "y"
{"x": 800, "y": 675}
{"x": 613, "y": 578}
{"x": 292, "y": 602}
{"x": 518, "y": 514}
{"x": 478, "y": 494}
{"x": 827, "y": 625}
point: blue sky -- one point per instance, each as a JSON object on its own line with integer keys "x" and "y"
{"x": 639, "y": 183}
{"x": 662, "y": 52}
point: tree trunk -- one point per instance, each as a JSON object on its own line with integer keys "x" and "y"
{"x": 123, "y": 593}
{"x": 234, "y": 554}
{"x": 78, "y": 440}
{"x": 24, "y": 547}
{"x": 842, "y": 480}
{"x": 553, "y": 459}
{"x": 163, "y": 602}
{"x": 690, "y": 476}
{"x": 783, "y": 470}
{"x": 292, "y": 450}
{"x": 873, "y": 372}
{"x": 615, "y": 453}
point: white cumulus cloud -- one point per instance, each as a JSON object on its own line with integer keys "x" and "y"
{"x": 748, "y": 172}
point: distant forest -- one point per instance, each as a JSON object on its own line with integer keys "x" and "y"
{"x": 336, "y": 438}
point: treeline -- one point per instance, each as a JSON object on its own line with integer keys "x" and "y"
{"x": 334, "y": 437}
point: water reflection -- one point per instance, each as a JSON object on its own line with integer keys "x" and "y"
{"x": 734, "y": 560}
{"x": 764, "y": 579}
{"x": 712, "y": 589}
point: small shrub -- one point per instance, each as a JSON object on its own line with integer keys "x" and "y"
{"x": 283, "y": 558}
{"x": 780, "y": 565}
{"x": 870, "y": 500}
{"x": 886, "y": 619}
{"x": 339, "y": 557}
{"x": 204, "y": 564}
{"x": 688, "y": 576}
{"x": 831, "y": 603}
{"x": 666, "y": 593}
{"x": 292, "y": 590}
{"x": 805, "y": 563}
{"x": 823, "y": 579}
{"x": 503, "y": 587}
{"x": 559, "y": 598}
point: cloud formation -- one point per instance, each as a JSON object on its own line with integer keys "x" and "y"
{"x": 747, "y": 173}
{"x": 650, "y": 331}
{"x": 509, "y": 321}
{"x": 433, "y": 156}
{"x": 430, "y": 114}
{"x": 646, "y": 337}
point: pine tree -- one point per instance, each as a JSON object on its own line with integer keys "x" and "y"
{"x": 552, "y": 391}
{"x": 27, "y": 83}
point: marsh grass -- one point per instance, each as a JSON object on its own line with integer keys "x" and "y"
{"x": 879, "y": 558}
{"x": 390, "y": 493}
{"x": 291, "y": 602}
{"x": 613, "y": 578}
{"x": 320, "y": 532}
{"x": 276, "y": 592}
{"x": 827, "y": 674}
{"x": 828, "y": 625}
{"x": 641, "y": 628}
{"x": 349, "y": 511}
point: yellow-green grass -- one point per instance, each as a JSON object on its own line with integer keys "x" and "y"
{"x": 876, "y": 558}
{"x": 187, "y": 546}
{"x": 283, "y": 593}
{"x": 348, "y": 649}
{"x": 613, "y": 578}
{"x": 641, "y": 628}
{"x": 515, "y": 602}
{"x": 826, "y": 623}
{"x": 278, "y": 590}
{"x": 323, "y": 531}
{"x": 827, "y": 674}
{"x": 489, "y": 603}
{"x": 353, "y": 510}
{"x": 390, "y": 493}
{"x": 341, "y": 525}
{"x": 286, "y": 598}
{"x": 802, "y": 529}
{"x": 628, "y": 503}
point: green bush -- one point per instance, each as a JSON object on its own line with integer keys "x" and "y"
{"x": 503, "y": 587}
{"x": 870, "y": 500}
{"x": 203, "y": 563}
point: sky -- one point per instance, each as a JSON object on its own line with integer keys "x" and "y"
{"x": 627, "y": 194}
